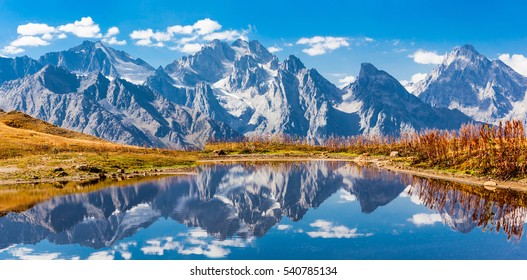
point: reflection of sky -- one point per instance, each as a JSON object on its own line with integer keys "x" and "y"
{"x": 337, "y": 229}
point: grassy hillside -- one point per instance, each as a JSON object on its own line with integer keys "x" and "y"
{"x": 16, "y": 119}
{"x": 34, "y": 149}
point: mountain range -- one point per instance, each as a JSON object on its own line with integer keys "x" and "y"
{"x": 231, "y": 91}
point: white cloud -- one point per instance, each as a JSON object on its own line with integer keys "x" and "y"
{"x": 41, "y": 34}
{"x": 326, "y": 229}
{"x": 315, "y": 50}
{"x": 320, "y": 45}
{"x": 423, "y": 219}
{"x": 102, "y": 255}
{"x": 189, "y": 48}
{"x": 411, "y": 85}
{"x": 32, "y": 29}
{"x": 84, "y": 28}
{"x": 147, "y": 37}
{"x": 29, "y": 41}
{"x": 211, "y": 251}
{"x": 518, "y": 62}
{"x": 228, "y": 35}
{"x": 417, "y": 77}
{"x": 347, "y": 80}
{"x": 201, "y": 27}
{"x": 274, "y": 49}
{"x": 368, "y": 40}
{"x": 195, "y": 242}
{"x": 186, "y": 38}
{"x": 123, "y": 249}
{"x": 110, "y": 37}
{"x": 159, "y": 246}
{"x": 12, "y": 50}
{"x": 47, "y": 37}
{"x": 114, "y": 41}
{"x": 427, "y": 57}
{"x": 283, "y": 227}
{"x": 179, "y": 29}
{"x": 142, "y": 34}
{"x": 112, "y": 31}
{"x": 206, "y": 26}
{"x": 27, "y": 254}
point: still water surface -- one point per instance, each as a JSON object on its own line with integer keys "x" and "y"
{"x": 303, "y": 210}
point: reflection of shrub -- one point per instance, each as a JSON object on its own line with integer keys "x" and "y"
{"x": 498, "y": 210}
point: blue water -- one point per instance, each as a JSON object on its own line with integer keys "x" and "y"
{"x": 310, "y": 210}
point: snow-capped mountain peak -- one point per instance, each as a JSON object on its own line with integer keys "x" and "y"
{"x": 488, "y": 91}
{"x": 90, "y": 57}
{"x": 464, "y": 56}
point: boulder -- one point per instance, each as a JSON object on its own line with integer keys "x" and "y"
{"x": 219, "y": 153}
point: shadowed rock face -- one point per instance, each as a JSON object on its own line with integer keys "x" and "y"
{"x": 224, "y": 200}
{"x": 18, "y": 67}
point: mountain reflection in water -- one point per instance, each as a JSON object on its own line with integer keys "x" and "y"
{"x": 246, "y": 200}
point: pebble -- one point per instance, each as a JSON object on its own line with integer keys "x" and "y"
{"x": 490, "y": 184}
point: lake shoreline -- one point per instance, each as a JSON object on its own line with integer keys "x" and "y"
{"x": 396, "y": 165}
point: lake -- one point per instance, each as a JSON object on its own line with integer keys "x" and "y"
{"x": 290, "y": 210}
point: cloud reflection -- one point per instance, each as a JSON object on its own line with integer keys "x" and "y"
{"x": 194, "y": 242}
{"x": 423, "y": 219}
{"x": 326, "y": 229}
{"x": 23, "y": 253}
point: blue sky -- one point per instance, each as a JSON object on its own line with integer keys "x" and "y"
{"x": 401, "y": 37}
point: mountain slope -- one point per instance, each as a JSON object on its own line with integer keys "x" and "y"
{"x": 115, "y": 110}
{"x": 386, "y": 108}
{"x": 96, "y": 57}
{"x": 19, "y": 120}
{"x": 260, "y": 94}
{"x": 488, "y": 91}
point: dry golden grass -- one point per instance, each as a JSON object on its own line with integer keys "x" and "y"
{"x": 32, "y": 148}
{"x": 265, "y": 145}
{"x": 16, "y": 119}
